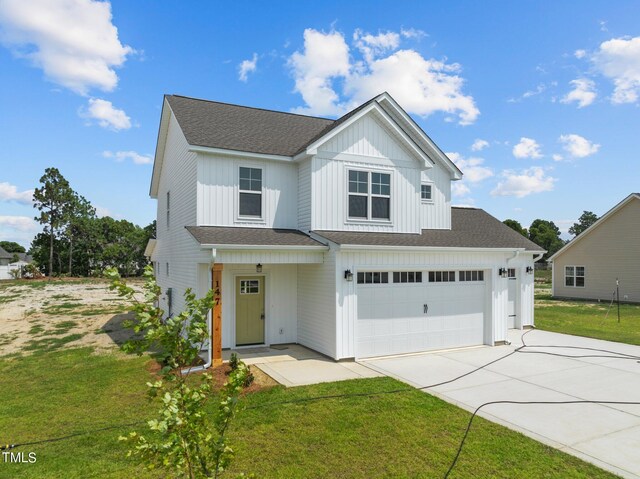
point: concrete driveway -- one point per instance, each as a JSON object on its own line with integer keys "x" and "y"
{"x": 608, "y": 436}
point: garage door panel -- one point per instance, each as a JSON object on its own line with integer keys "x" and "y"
{"x": 391, "y": 317}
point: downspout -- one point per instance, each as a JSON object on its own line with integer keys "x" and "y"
{"x": 536, "y": 258}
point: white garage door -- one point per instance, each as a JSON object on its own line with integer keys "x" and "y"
{"x": 397, "y": 318}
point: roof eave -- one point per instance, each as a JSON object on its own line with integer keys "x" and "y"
{"x": 158, "y": 159}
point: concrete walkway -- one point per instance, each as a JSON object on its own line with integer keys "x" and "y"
{"x": 606, "y": 435}
{"x": 295, "y": 365}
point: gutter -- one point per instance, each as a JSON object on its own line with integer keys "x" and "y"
{"x": 427, "y": 248}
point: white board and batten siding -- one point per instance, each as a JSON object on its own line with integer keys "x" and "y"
{"x": 175, "y": 245}
{"x": 316, "y": 304}
{"x": 217, "y": 192}
{"x": 494, "y": 290}
{"x": 436, "y": 214}
{"x": 304, "y": 196}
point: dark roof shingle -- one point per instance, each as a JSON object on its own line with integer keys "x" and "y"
{"x": 240, "y": 128}
{"x": 470, "y": 228}
{"x": 222, "y": 235}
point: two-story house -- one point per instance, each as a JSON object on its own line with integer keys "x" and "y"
{"x": 335, "y": 234}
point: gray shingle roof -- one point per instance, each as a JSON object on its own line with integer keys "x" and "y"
{"x": 233, "y": 127}
{"x": 470, "y": 228}
{"x": 4, "y": 254}
{"x": 222, "y": 235}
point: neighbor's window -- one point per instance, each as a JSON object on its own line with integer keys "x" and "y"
{"x": 250, "y": 192}
{"x": 574, "y": 276}
{"x": 168, "y": 206}
{"x": 407, "y": 276}
{"x": 426, "y": 192}
{"x": 369, "y": 195}
{"x": 471, "y": 275}
{"x": 375, "y": 277}
{"x": 442, "y": 276}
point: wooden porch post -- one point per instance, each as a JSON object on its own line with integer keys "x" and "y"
{"x": 216, "y": 314}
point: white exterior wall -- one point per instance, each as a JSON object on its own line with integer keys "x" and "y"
{"x": 268, "y": 256}
{"x": 218, "y": 179}
{"x": 317, "y": 305}
{"x": 347, "y": 307}
{"x": 175, "y": 245}
{"x": 304, "y": 196}
{"x": 281, "y": 291}
{"x": 437, "y": 213}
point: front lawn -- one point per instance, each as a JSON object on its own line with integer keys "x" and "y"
{"x": 411, "y": 434}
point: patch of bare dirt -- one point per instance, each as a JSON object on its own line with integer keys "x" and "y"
{"x": 37, "y": 315}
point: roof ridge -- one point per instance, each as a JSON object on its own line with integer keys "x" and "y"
{"x": 250, "y": 107}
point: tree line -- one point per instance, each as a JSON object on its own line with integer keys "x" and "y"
{"x": 546, "y": 234}
{"x": 75, "y": 241}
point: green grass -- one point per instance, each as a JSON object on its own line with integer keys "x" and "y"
{"x": 411, "y": 434}
{"x": 587, "y": 318}
{"x": 8, "y": 298}
{"x": 51, "y": 343}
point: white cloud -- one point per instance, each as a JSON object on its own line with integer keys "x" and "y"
{"x": 101, "y": 211}
{"x": 619, "y": 60}
{"x": 373, "y": 46}
{"x": 413, "y": 33}
{"x": 529, "y": 93}
{"x": 578, "y": 146}
{"x": 9, "y": 192}
{"x": 325, "y": 57}
{"x": 137, "y": 158}
{"x": 557, "y": 157}
{"x": 580, "y": 54}
{"x": 471, "y": 168}
{"x": 422, "y": 86}
{"x": 106, "y": 115}
{"x": 529, "y": 181}
{"x": 479, "y": 145}
{"x": 20, "y": 223}
{"x": 584, "y": 92}
{"x": 73, "y": 41}
{"x": 246, "y": 67}
{"x": 527, "y": 148}
{"x": 459, "y": 189}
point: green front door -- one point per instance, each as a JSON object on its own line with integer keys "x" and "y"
{"x": 249, "y": 310}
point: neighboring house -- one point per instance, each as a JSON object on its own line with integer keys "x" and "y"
{"x": 337, "y": 235}
{"x": 609, "y": 250}
{"x": 7, "y": 262}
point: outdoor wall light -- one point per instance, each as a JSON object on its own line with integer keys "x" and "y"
{"x": 348, "y": 275}
{"x": 502, "y": 272}
{"x": 258, "y": 268}
{"x": 529, "y": 270}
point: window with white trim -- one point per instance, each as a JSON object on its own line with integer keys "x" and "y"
{"x": 471, "y": 275}
{"x": 407, "y": 276}
{"x": 168, "y": 207}
{"x": 373, "y": 277}
{"x": 249, "y": 286}
{"x": 426, "y": 192}
{"x": 369, "y": 195}
{"x": 442, "y": 276}
{"x": 250, "y": 192}
{"x": 574, "y": 276}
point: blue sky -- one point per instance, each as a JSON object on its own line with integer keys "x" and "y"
{"x": 550, "y": 90}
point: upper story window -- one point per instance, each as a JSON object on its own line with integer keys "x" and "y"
{"x": 168, "y": 207}
{"x": 369, "y": 195}
{"x": 426, "y": 192}
{"x": 250, "y": 201}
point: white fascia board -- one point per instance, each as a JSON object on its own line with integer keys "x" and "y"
{"x": 604, "y": 217}
{"x": 151, "y": 246}
{"x": 427, "y": 249}
{"x": 457, "y": 174}
{"x": 235, "y": 153}
{"x": 158, "y": 159}
{"x": 245, "y": 247}
{"x": 312, "y": 149}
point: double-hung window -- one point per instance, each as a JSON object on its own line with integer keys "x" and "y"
{"x": 250, "y": 191}
{"x": 369, "y": 195}
{"x": 426, "y": 192}
{"x": 574, "y": 276}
